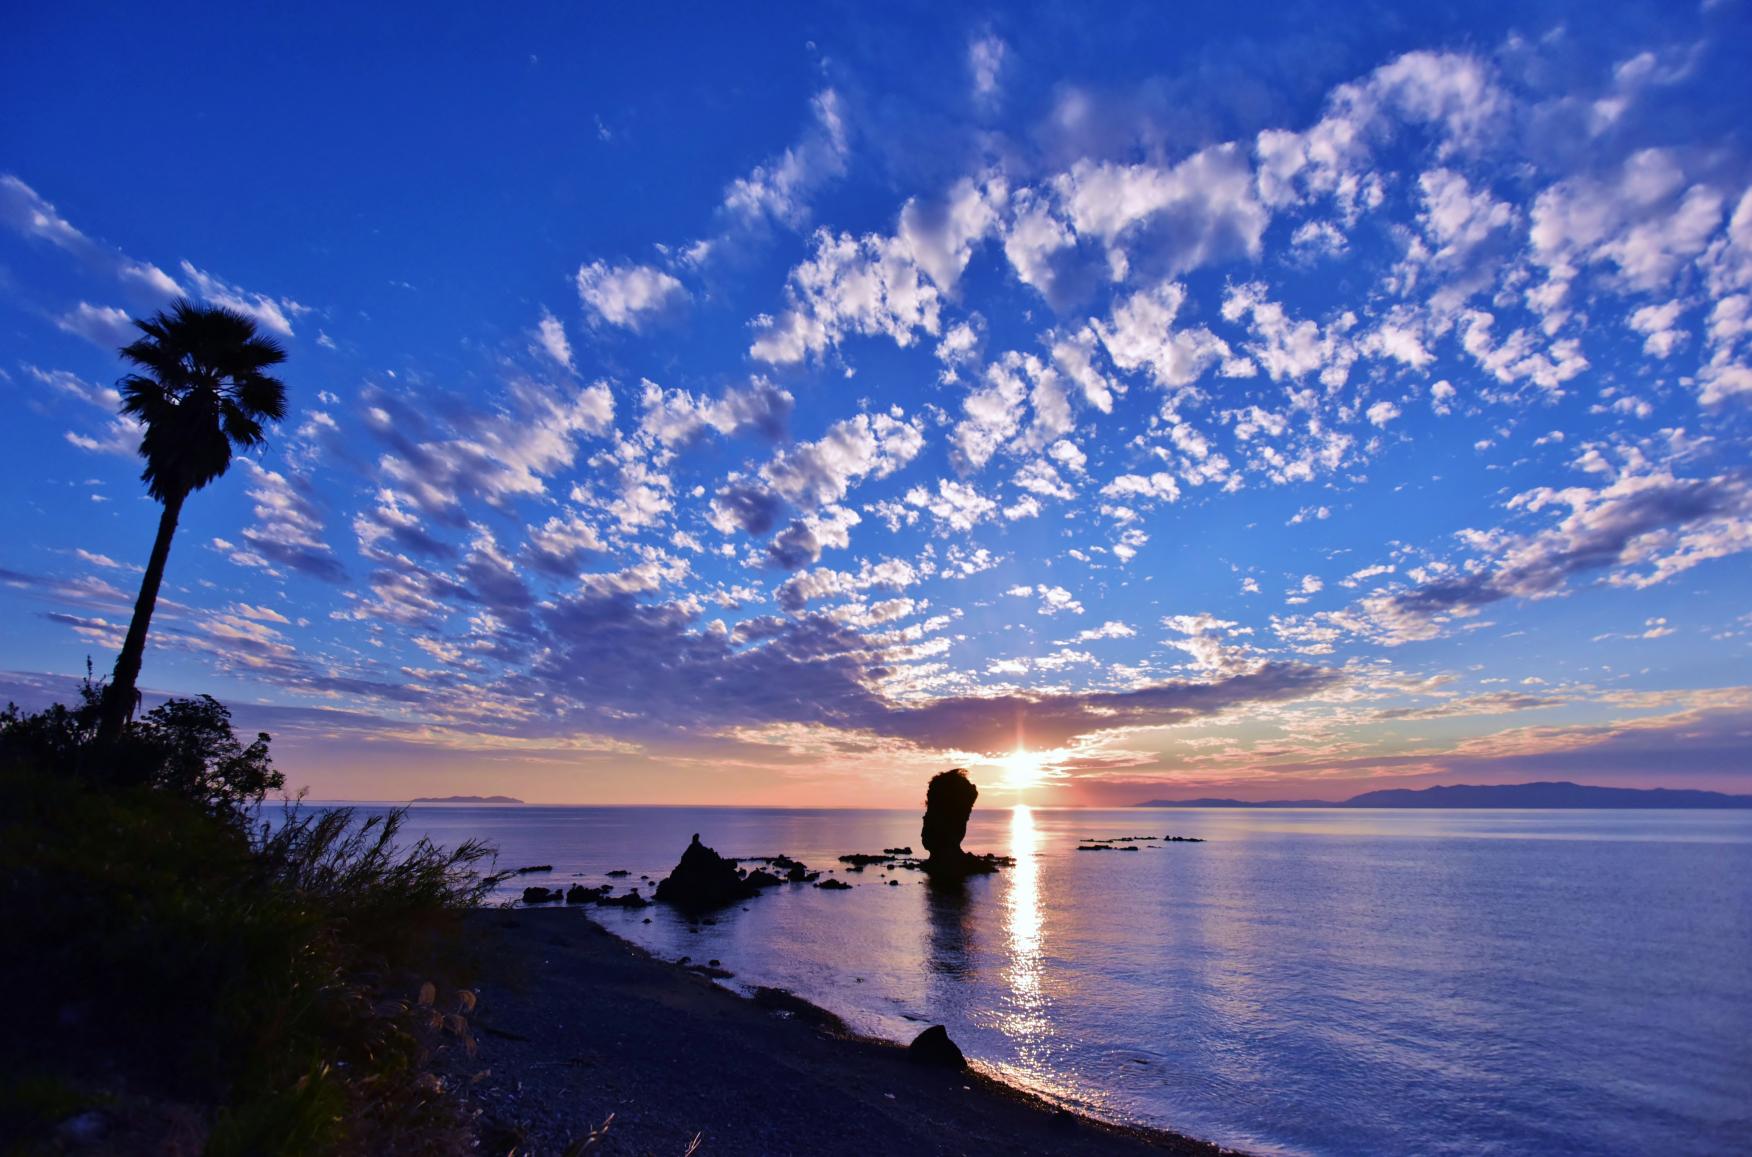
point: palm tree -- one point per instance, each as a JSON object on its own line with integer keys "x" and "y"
{"x": 200, "y": 389}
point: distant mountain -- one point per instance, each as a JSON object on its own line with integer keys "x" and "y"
{"x": 1548, "y": 795}
{"x": 1508, "y": 795}
{"x": 1237, "y": 803}
{"x": 465, "y": 799}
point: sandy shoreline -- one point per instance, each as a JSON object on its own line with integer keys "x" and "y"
{"x": 574, "y": 1023}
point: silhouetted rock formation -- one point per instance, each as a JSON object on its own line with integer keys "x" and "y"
{"x": 860, "y": 860}
{"x": 542, "y": 896}
{"x": 630, "y": 900}
{"x": 933, "y": 1047}
{"x": 833, "y": 885}
{"x": 703, "y": 880}
{"x": 948, "y": 802}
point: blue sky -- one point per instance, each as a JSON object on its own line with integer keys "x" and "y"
{"x": 697, "y": 406}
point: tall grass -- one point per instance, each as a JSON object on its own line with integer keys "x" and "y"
{"x": 360, "y": 874}
{"x": 261, "y": 979}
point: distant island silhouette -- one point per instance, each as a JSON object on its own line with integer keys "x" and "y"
{"x": 465, "y": 799}
{"x": 1561, "y": 794}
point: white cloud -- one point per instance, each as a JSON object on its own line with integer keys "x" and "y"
{"x": 499, "y": 456}
{"x": 1186, "y": 216}
{"x": 992, "y": 416}
{"x": 100, "y": 325}
{"x": 1645, "y": 221}
{"x": 1381, "y": 413}
{"x": 274, "y": 313}
{"x": 627, "y": 296}
{"x": 985, "y": 59}
{"x": 550, "y": 338}
{"x": 781, "y": 188}
{"x": 955, "y": 506}
{"x": 1141, "y": 335}
{"x": 871, "y": 286}
{"x": 1111, "y": 629}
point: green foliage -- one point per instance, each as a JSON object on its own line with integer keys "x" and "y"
{"x": 185, "y": 747}
{"x": 55, "y": 737}
{"x": 191, "y": 751}
{"x": 255, "y": 975}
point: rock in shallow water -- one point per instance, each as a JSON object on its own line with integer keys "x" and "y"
{"x": 630, "y": 900}
{"x": 949, "y": 800}
{"x": 703, "y": 880}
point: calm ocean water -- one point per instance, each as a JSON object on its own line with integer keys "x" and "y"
{"x": 1308, "y": 981}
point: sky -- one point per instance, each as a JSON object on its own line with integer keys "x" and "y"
{"x": 775, "y": 407}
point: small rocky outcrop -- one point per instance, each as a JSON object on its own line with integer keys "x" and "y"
{"x": 542, "y": 895}
{"x": 630, "y": 900}
{"x": 934, "y": 1048}
{"x": 833, "y": 885}
{"x": 862, "y": 860}
{"x": 579, "y": 894}
{"x": 703, "y": 880}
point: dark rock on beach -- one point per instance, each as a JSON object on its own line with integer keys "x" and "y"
{"x": 542, "y": 895}
{"x": 933, "y": 1047}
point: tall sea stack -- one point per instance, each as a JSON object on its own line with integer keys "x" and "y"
{"x": 948, "y": 802}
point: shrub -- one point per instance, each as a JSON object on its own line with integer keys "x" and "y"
{"x": 258, "y": 976}
{"x": 186, "y": 747}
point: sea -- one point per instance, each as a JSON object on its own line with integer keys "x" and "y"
{"x": 1305, "y": 981}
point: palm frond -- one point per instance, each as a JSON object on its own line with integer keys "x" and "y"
{"x": 199, "y": 391}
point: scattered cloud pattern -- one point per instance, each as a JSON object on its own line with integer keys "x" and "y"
{"x": 1378, "y": 422}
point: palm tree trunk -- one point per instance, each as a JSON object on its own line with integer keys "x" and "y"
{"x": 119, "y": 701}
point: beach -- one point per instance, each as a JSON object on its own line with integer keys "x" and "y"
{"x": 574, "y": 1024}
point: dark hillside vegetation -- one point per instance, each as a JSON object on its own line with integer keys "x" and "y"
{"x": 184, "y": 977}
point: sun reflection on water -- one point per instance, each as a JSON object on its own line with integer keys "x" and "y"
{"x": 1025, "y": 1019}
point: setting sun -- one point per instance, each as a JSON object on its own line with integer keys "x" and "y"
{"x": 1022, "y": 768}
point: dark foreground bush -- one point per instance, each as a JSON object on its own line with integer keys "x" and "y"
{"x": 209, "y": 984}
